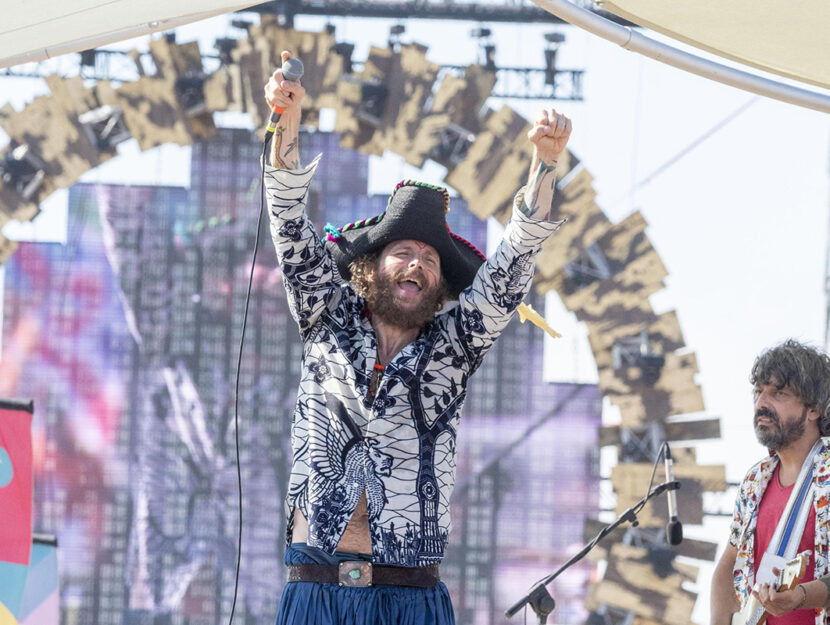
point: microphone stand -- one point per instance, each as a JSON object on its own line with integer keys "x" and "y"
{"x": 538, "y": 597}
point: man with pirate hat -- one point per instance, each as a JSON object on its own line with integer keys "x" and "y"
{"x": 395, "y": 313}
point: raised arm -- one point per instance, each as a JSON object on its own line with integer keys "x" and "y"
{"x": 549, "y": 136}
{"x": 308, "y": 271}
{"x": 285, "y": 151}
{"x": 504, "y": 279}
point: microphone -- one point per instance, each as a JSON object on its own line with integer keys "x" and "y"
{"x": 674, "y": 530}
{"x": 292, "y": 70}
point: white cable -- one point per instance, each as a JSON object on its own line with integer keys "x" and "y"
{"x": 636, "y": 42}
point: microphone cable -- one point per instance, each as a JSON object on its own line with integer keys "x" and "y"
{"x": 292, "y": 71}
{"x": 265, "y": 145}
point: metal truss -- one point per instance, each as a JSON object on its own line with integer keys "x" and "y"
{"x": 526, "y": 83}
{"x": 529, "y": 83}
{"x": 641, "y": 444}
{"x": 476, "y": 11}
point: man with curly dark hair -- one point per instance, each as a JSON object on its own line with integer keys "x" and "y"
{"x": 783, "y": 505}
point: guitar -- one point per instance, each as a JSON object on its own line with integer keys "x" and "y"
{"x": 753, "y": 612}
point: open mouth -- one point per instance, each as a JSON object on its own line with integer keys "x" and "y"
{"x": 410, "y": 285}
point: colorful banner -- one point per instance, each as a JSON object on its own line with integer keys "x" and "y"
{"x": 40, "y": 603}
{"x": 15, "y": 504}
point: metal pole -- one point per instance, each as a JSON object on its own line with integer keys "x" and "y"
{"x": 636, "y": 42}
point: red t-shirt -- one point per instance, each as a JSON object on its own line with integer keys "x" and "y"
{"x": 769, "y": 512}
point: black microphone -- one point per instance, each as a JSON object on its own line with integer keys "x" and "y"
{"x": 292, "y": 70}
{"x": 674, "y": 530}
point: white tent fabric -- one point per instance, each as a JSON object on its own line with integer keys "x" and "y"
{"x": 34, "y": 30}
{"x": 631, "y": 39}
{"x": 785, "y": 37}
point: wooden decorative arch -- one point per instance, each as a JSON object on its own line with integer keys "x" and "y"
{"x": 604, "y": 272}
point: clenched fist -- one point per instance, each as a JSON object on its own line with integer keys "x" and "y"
{"x": 549, "y": 135}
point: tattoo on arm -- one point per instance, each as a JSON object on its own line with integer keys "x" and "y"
{"x": 541, "y": 187}
{"x": 280, "y": 153}
{"x": 826, "y": 582}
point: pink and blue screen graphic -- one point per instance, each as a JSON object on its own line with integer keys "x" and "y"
{"x": 16, "y": 507}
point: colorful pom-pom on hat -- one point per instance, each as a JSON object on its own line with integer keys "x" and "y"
{"x": 416, "y": 210}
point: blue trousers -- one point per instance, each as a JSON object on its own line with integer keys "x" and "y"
{"x": 310, "y": 603}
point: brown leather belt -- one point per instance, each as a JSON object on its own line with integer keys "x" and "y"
{"x": 361, "y": 574}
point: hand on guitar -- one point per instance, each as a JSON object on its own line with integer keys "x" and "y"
{"x": 785, "y": 595}
{"x": 781, "y": 601}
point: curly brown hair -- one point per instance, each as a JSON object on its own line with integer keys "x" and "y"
{"x": 379, "y": 299}
{"x": 362, "y": 270}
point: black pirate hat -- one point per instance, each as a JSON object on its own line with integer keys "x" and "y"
{"x": 416, "y": 210}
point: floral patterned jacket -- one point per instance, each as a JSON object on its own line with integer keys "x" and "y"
{"x": 399, "y": 448}
{"x": 745, "y": 518}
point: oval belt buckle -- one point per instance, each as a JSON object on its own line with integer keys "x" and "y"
{"x": 355, "y": 573}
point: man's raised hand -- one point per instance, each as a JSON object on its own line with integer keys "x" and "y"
{"x": 549, "y": 135}
{"x": 287, "y": 95}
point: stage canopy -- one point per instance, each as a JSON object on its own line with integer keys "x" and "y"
{"x": 785, "y": 37}
{"x": 34, "y": 30}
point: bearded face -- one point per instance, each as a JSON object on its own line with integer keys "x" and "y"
{"x": 404, "y": 285}
{"x": 781, "y": 418}
{"x": 774, "y": 434}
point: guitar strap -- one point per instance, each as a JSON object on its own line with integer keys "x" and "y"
{"x": 784, "y": 544}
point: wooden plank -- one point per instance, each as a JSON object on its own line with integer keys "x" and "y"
{"x": 458, "y": 100}
{"x": 690, "y": 547}
{"x": 675, "y": 392}
{"x": 12, "y": 205}
{"x": 76, "y": 97}
{"x": 586, "y": 225}
{"x": 632, "y": 583}
{"x": 223, "y": 89}
{"x": 323, "y": 67}
{"x": 56, "y": 138}
{"x": 636, "y": 273}
{"x": 693, "y": 429}
{"x": 634, "y": 476}
{"x": 353, "y": 132}
{"x": 409, "y": 78}
{"x": 254, "y": 69}
{"x": 7, "y": 113}
{"x": 7, "y": 248}
{"x": 151, "y": 111}
{"x": 462, "y": 98}
{"x": 427, "y": 139}
{"x": 685, "y": 455}
{"x": 173, "y": 60}
{"x": 176, "y": 61}
{"x": 630, "y": 481}
{"x": 496, "y": 165}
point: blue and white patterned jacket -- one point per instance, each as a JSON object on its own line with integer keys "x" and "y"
{"x": 400, "y": 448}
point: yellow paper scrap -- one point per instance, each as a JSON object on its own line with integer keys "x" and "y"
{"x": 526, "y": 313}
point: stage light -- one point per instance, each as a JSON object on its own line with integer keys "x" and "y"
{"x": 639, "y": 353}
{"x": 23, "y": 171}
{"x": 105, "y": 127}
